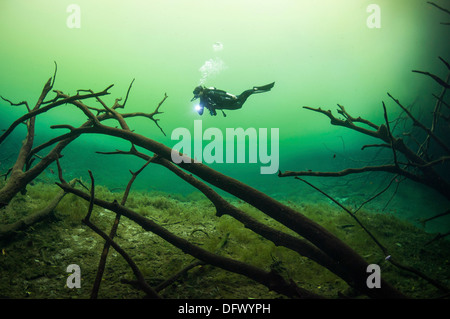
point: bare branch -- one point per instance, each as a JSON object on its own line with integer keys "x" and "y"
{"x": 380, "y": 132}
{"x": 140, "y": 277}
{"x": 353, "y": 119}
{"x": 390, "y": 135}
{"x": 122, "y": 106}
{"x": 70, "y": 127}
{"x": 350, "y": 213}
{"x": 54, "y": 75}
{"x": 435, "y": 77}
{"x": 440, "y": 99}
{"x": 65, "y": 99}
{"x": 440, "y": 8}
{"x": 60, "y": 174}
{"x": 445, "y": 62}
{"x": 376, "y": 195}
{"x": 17, "y": 104}
{"x": 381, "y": 168}
{"x": 423, "y": 221}
{"x": 91, "y": 202}
{"x": 417, "y": 123}
{"x": 375, "y": 145}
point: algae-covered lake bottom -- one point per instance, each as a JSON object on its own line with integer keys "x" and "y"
{"x": 33, "y": 265}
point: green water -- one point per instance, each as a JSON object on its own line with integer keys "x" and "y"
{"x": 318, "y": 52}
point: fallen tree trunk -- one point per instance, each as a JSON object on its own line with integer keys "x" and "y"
{"x": 354, "y": 265}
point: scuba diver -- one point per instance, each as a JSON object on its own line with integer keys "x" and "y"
{"x": 214, "y": 99}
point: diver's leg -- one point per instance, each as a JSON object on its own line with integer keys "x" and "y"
{"x": 256, "y": 89}
{"x": 265, "y": 88}
{"x": 244, "y": 95}
{"x": 241, "y": 98}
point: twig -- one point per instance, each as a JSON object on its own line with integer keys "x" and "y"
{"x": 375, "y": 145}
{"x": 91, "y": 202}
{"x": 122, "y": 106}
{"x": 436, "y": 114}
{"x": 397, "y": 186}
{"x": 348, "y": 124}
{"x": 183, "y": 271}
{"x": 445, "y": 62}
{"x": 440, "y": 160}
{"x": 350, "y": 213}
{"x": 65, "y": 99}
{"x": 375, "y": 196}
{"x": 434, "y": 77}
{"x": 179, "y": 274}
{"x": 116, "y": 114}
{"x": 133, "y": 178}
{"x": 7, "y": 173}
{"x": 438, "y": 237}
{"x": 156, "y": 112}
{"x": 440, "y": 8}
{"x": 54, "y": 75}
{"x": 353, "y": 119}
{"x": 424, "y": 221}
{"x": 140, "y": 277}
{"x": 390, "y": 135}
{"x": 432, "y": 281}
{"x": 60, "y": 175}
{"x": 440, "y": 99}
{"x": 416, "y": 122}
{"x": 389, "y": 168}
{"x": 113, "y": 231}
{"x": 384, "y": 250}
{"x": 16, "y": 104}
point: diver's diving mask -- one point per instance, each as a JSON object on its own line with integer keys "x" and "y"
{"x": 197, "y": 92}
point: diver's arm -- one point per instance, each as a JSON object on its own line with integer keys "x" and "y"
{"x": 212, "y": 107}
{"x": 207, "y": 102}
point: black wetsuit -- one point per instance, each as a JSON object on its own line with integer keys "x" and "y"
{"x": 214, "y": 99}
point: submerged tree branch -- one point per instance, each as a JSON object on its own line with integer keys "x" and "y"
{"x": 270, "y": 279}
{"x": 8, "y": 231}
{"x": 354, "y": 265}
{"x": 426, "y": 129}
{"x": 427, "y": 175}
{"x": 23, "y": 172}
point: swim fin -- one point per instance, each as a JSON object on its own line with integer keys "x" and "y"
{"x": 265, "y": 88}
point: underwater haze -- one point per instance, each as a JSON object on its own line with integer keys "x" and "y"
{"x": 319, "y": 53}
